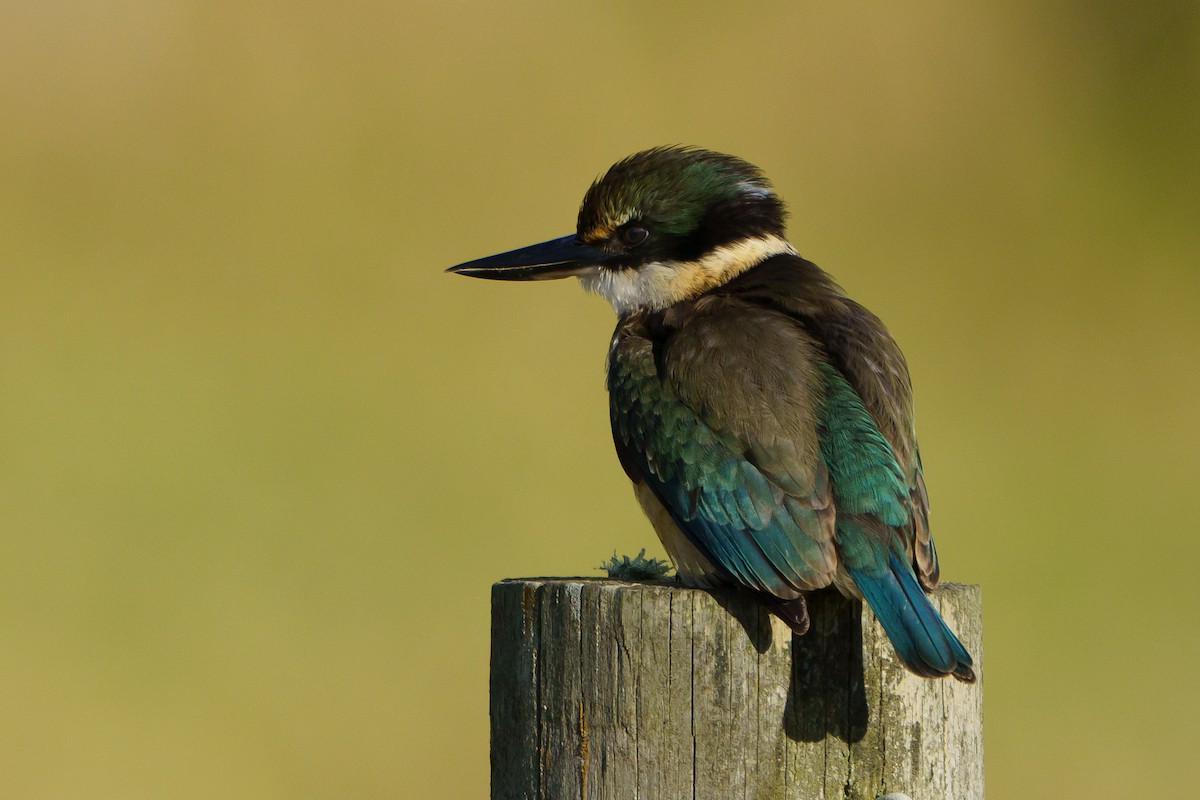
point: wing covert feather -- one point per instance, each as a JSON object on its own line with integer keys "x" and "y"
{"x": 859, "y": 345}
{"x": 728, "y": 442}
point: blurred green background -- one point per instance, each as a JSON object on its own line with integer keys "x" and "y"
{"x": 262, "y": 459}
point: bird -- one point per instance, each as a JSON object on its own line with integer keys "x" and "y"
{"x": 764, "y": 417}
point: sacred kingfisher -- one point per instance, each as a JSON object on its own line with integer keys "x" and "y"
{"x": 764, "y": 417}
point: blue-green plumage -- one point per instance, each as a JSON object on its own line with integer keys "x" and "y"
{"x": 753, "y": 507}
{"x": 763, "y": 416}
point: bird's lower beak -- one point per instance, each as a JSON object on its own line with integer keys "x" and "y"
{"x": 557, "y": 258}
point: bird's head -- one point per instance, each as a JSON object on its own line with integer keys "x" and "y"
{"x": 660, "y": 226}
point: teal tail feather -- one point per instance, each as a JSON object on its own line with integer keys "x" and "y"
{"x": 920, "y": 636}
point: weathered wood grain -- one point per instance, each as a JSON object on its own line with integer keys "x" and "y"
{"x": 604, "y": 690}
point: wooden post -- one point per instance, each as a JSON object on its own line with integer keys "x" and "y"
{"x": 602, "y": 689}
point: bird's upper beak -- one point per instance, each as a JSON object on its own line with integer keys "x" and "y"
{"x": 557, "y": 258}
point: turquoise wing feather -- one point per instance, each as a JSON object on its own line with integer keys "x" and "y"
{"x": 864, "y": 472}
{"x": 875, "y": 517}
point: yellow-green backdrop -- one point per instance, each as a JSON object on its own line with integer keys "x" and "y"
{"x": 260, "y": 460}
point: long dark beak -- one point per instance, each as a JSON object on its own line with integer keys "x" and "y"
{"x": 557, "y": 258}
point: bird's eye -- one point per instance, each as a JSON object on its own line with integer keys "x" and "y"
{"x": 634, "y": 235}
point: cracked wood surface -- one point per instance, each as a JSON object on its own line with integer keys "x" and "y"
{"x": 606, "y": 690}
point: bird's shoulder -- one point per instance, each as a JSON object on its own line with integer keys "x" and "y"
{"x": 747, "y": 374}
{"x": 852, "y": 338}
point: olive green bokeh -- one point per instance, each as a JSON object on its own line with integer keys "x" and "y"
{"x": 262, "y": 459}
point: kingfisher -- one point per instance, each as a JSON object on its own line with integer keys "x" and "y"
{"x": 764, "y": 418}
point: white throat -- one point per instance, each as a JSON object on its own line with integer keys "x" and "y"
{"x": 661, "y": 283}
